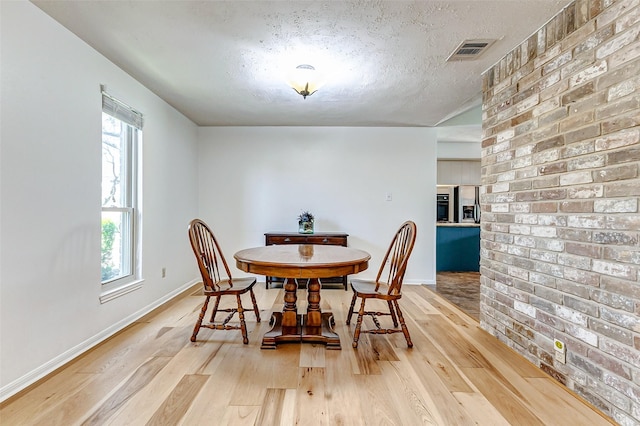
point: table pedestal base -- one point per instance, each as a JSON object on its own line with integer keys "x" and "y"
{"x": 301, "y": 332}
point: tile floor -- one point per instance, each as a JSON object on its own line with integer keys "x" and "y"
{"x": 461, "y": 289}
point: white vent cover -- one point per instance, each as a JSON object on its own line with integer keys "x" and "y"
{"x": 470, "y": 49}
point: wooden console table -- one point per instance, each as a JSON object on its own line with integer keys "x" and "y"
{"x": 318, "y": 238}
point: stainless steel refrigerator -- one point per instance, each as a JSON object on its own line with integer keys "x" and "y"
{"x": 467, "y": 204}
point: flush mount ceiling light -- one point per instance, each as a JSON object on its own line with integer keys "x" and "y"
{"x": 305, "y": 80}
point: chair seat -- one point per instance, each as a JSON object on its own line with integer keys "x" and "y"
{"x": 240, "y": 286}
{"x": 367, "y": 289}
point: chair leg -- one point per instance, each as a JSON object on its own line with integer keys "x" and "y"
{"x": 199, "y": 322}
{"x": 215, "y": 309}
{"x": 353, "y": 303}
{"x": 393, "y": 314}
{"x": 356, "y": 333}
{"x": 255, "y": 305}
{"x": 243, "y": 325}
{"x": 405, "y": 330}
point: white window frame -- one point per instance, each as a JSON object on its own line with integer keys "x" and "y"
{"x": 131, "y": 234}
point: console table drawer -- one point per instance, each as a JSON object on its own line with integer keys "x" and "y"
{"x": 279, "y": 239}
{"x": 332, "y": 241}
{"x": 306, "y": 239}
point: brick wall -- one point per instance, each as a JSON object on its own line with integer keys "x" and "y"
{"x": 560, "y": 249}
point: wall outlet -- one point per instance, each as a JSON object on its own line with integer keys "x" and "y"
{"x": 560, "y": 351}
{"x": 388, "y": 196}
{"x": 164, "y": 272}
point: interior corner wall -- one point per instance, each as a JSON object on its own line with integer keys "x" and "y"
{"x": 50, "y": 174}
{"x": 560, "y": 251}
{"x": 259, "y": 179}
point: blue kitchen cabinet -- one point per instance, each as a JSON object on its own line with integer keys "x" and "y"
{"x": 458, "y": 248}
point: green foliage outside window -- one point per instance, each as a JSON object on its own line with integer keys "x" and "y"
{"x": 109, "y": 230}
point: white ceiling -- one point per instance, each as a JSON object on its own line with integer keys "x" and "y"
{"x": 223, "y": 63}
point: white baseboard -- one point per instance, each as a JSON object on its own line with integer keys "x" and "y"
{"x": 407, "y": 282}
{"x": 20, "y": 383}
{"x": 418, "y": 282}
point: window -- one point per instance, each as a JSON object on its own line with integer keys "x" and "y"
{"x": 121, "y": 135}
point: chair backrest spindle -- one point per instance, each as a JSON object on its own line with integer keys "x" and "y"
{"x": 208, "y": 254}
{"x": 397, "y": 256}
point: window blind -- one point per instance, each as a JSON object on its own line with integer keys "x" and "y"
{"x": 121, "y": 111}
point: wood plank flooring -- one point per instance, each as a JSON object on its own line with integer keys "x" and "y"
{"x": 151, "y": 374}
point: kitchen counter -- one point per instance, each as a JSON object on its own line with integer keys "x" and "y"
{"x": 458, "y": 247}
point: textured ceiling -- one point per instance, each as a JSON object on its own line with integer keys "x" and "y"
{"x": 223, "y": 63}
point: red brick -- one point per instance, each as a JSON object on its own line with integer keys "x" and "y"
{"x": 576, "y": 206}
{"x": 546, "y": 182}
{"x": 619, "y": 75}
{"x": 624, "y": 155}
{"x": 619, "y": 107}
{"x": 587, "y": 250}
{"x": 544, "y": 207}
{"x": 488, "y": 142}
{"x": 558, "y": 167}
{"x": 578, "y": 93}
{"x": 616, "y": 173}
{"x": 583, "y": 133}
{"x": 576, "y": 120}
{"x": 553, "y": 194}
{"x": 521, "y": 118}
{"x": 621, "y": 122}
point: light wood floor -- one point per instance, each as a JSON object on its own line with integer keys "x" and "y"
{"x": 151, "y": 373}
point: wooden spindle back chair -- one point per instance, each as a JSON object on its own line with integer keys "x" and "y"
{"x": 387, "y": 286}
{"x": 217, "y": 281}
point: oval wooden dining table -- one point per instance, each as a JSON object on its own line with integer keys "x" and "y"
{"x": 302, "y": 261}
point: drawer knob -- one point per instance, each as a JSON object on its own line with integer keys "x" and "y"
{"x": 287, "y": 239}
{"x": 326, "y": 240}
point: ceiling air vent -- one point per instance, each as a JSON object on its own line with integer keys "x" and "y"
{"x": 470, "y": 49}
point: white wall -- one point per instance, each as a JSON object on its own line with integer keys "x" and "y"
{"x": 459, "y": 150}
{"x": 50, "y": 196}
{"x": 258, "y": 179}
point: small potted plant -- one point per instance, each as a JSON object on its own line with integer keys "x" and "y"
{"x": 305, "y": 223}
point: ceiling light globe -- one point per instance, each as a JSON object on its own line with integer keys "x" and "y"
{"x": 305, "y": 80}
